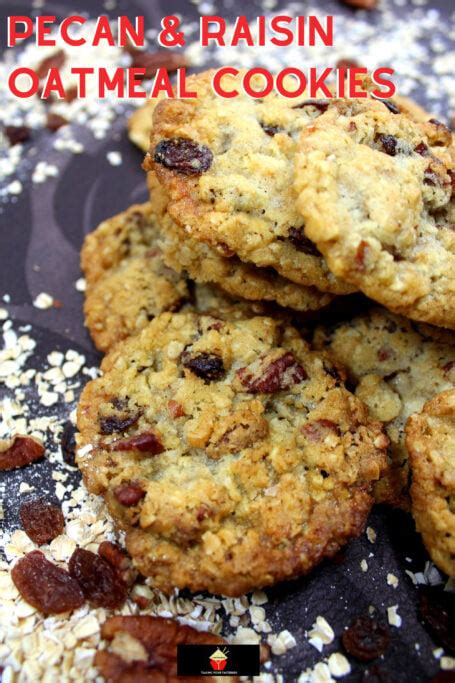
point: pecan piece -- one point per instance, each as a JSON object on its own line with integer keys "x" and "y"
{"x": 17, "y": 134}
{"x": 41, "y": 520}
{"x": 45, "y": 586}
{"x": 361, "y": 4}
{"x": 55, "y": 122}
{"x": 119, "y": 560}
{"x": 56, "y": 61}
{"x": 147, "y": 442}
{"x": 129, "y": 494}
{"x": 318, "y": 430}
{"x": 175, "y": 409}
{"x": 19, "y": 452}
{"x": 273, "y": 374}
{"x": 144, "y": 648}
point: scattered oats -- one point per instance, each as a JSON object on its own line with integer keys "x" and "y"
{"x": 55, "y": 358}
{"x": 393, "y": 616}
{"x": 245, "y": 636}
{"x": 364, "y": 565}
{"x": 24, "y": 487}
{"x": 321, "y": 634}
{"x": 438, "y": 652}
{"x": 49, "y": 398}
{"x": 3, "y": 314}
{"x": 392, "y": 580}
{"x": 371, "y": 534}
{"x": 338, "y": 665}
{"x": 70, "y": 369}
{"x": 282, "y": 642}
{"x": 15, "y": 187}
{"x": 43, "y": 301}
{"x": 114, "y": 158}
{"x": 86, "y": 627}
{"x": 259, "y": 598}
{"x": 447, "y": 663}
{"x": 60, "y": 490}
{"x": 80, "y": 284}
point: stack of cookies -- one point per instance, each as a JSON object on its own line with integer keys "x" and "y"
{"x": 241, "y": 432}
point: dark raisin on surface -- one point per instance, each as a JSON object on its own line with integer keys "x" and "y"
{"x": 161, "y": 59}
{"x": 346, "y": 63}
{"x": 19, "y": 452}
{"x": 55, "y": 121}
{"x": 207, "y": 366}
{"x": 320, "y": 105}
{"x": 147, "y": 442}
{"x": 54, "y": 61}
{"x": 376, "y": 674}
{"x": 113, "y": 424}
{"x": 388, "y": 143}
{"x": 42, "y": 521}
{"x": 391, "y": 106}
{"x": 437, "y": 609}
{"x": 297, "y": 238}
{"x": 422, "y": 149}
{"x": 129, "y": 494}
{"x": 184, "y": 156}
{"x": 276, "y": 375}
{"x": 17, "y": 134}
{"x": 365, "y": 639}
{"x": 270, "y": 130}
{"x": 98, "y": 580}
{"x": 68, "y": 443}
{"x": 444, "y": 677}
{"x": 45, "y": 586}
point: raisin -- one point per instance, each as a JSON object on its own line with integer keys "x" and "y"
{"x": 113, "y": 424}
{"x": 68, "y": 443}
{"x": 270, "y": 130}
{"x": 147, "y": 442}
{"x": 17, "y": 134}
{"x": 207, "y": 366}
{"x": 152, "y": 61}
{"x": 391, "y": 106}
{"x": 442, "y": 135}
{"x": 365, "y": 639}
{"x": 98, "y": 580}
{"x": 318, "y": 430}
{"x": 388, "y": 144}
{"x": 157, "y": 640}
{"x": 320, "y": 105}
{"x": 385, "y": 353}
{"x": 437, "y": 608}
{"x": 376, "y": 674}
{"x": 129, "y": 494}
{"x": 280, "y": 373}
{"x": 71, "y": 94}
{"x": 54, "y": 61}
{"x": 297, "y": 238}
{"x": 347, "y": 64}
{"x": 55, "y": 121}
{"x": 361, "y": 4}
{"x": 19, "y": 452}
{"x": 119, "y": 561}
{"x": 431, "y": 178}
{"x": 184, "y": 156}
{"x": 41, "y": 520}
{"x": 422, "y": 149}
{"x": 45, "y": 586}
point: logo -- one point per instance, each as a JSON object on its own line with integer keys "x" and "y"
{"x": 218, "y": 660}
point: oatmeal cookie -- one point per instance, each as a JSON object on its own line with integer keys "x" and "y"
{"x": 227, "y": 166}
{"x": 128, "y": 282}
{"x": 430, "y": 439}
{"x": 395, "y": 366}
{"x": 376, "y": 192}
{"x": 204, "y": 264}
{"x": 229, "y": 451}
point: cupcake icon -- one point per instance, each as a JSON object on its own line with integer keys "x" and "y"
{"x": 218, "y": 660}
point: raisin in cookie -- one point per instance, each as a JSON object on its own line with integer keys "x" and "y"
{"x": 430, "y": 439}
{"x": 204, "y": 264}
{"x": 227, "y": 166}
{"x": 376, "y": 192}
{"x": 395, "y": 366}
{"x": 229, "y": 451}
{"x": 128, "y": 282}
